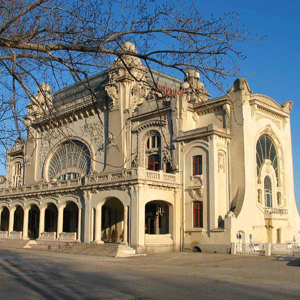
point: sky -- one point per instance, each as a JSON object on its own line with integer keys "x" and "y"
{"x": 272, "y": 65}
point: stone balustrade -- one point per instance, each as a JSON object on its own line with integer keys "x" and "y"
{"x": 92, "y": 179}
{"x": 48, "y": 236}
{"x": 67, "y": 236}
{"x": 16, "y": 234}
{"x": 275, "y": 210}
{"x": 3, "y": 234}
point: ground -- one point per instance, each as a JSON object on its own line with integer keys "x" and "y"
{"x": 28, "y": 274}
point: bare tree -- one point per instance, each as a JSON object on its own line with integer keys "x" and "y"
{"x": 61, "y": 42}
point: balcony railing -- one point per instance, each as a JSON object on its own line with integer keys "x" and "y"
{"x": 92, "y": 179}
{"x": 275, "y": 210}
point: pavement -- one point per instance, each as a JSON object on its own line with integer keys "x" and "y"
{"x": 29, "y": 274}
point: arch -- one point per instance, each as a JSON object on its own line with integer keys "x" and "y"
{"x": 68, "y": 160}
{"x": 51, "y": 217}
{"x": 158, "y": 216}
{"x": 195, "y": 144}
{"x": 112, "y": 227}
{"x": 4, "y": 219}
{"x": 266, "y": 150}
{"x": 152, "y": 150}
{"x": 18, "y": 219}
{"x": 33, "y": 222}
{"x": 70, "y": 218}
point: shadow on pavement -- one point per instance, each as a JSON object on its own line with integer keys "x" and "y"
{"x": 291, "y": 260}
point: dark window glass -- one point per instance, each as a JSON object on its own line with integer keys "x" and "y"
{"x": 198, "y": 214}
{"x": 197, "y": 165}
{"x": 153, "y": 162}
{"x": 265, "y": 149}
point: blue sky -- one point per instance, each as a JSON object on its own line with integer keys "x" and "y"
{"x": 273, "y": 65}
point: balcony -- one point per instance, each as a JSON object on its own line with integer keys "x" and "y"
{"x": 275, "y": 213}
{"x": 116, "y": 178}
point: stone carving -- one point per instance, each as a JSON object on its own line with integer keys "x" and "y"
{"x": 96, "y": 132}
{"x": 193, "y": 87}
{"x": 221, "y": 161}
{"x": 112, "y": 91}
{"x": 139, "y": 94}
{"x": 39, "y": 104}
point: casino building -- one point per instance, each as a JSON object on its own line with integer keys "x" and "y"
{"x": 153, "y": 163}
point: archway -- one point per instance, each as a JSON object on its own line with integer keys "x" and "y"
{"x": 4, "y": 219}
{"x": 51, "y": 217}
{"x": 18, "y": 219}
{"x": 70, "y": 223}
{"x": 33, "y": 222}
{"x": 157, "y": 217}
{"x": 112, "y": 221}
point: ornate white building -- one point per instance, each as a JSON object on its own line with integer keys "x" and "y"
{"x": 159, "y": 166}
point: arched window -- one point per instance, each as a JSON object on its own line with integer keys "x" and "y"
{"x": 268, "y": 191}
{"x": 265, "y": 149}
{"x": 70, "y": 161}
{"x": 153, "y": 152}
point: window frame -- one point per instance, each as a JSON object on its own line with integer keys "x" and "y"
{"x": 197, "y": 165}
{"x": 198, "y": 214}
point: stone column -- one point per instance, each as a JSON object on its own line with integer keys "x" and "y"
{"x": 60, "y": 220}
{"x": 1, "y": 209}
{"x": 98, "y": 224}
{"x": 125, "y": 239}
{"x": 79, "y": 225}
{"x": 25, "y": 223}
{"x": 11, "y": 220}
{"x": 42, "y": 221}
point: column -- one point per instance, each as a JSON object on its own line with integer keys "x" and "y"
{"x": 98, "y": 224}
{"x": 25, "y": 223}
{"x": 11, "y": 220}
{"x": 125, "y": 239}
{"x": 1, "y": 209}
{"x": 79, "y": 225}
{"x": 60, "y": 220}
{"x": 42, "y": 221}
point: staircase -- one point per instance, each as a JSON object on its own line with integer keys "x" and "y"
{"x": 106, "y": 249}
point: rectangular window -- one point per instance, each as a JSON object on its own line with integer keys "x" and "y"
{"x": 198, "y": 214}
{"x": 197, "y": 165}
{"x": 153, "y": 162}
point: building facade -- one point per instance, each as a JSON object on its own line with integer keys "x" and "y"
{"x": 151, "y": 162}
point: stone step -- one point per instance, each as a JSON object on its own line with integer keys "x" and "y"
{"x": 106, "y": 249}
{"x": 13, "y": 243}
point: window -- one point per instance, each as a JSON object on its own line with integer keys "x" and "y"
{"x": 69, "y": 161}
{"x": 198, "y": 214}
{"x": 153, "y": 151}
{"x": 17, "y": 174}
{"x": 153, "y": 162}
{"x": 265, "y": 149}
{"x": 268, "y": 191}
{"x": 197, "y": 165}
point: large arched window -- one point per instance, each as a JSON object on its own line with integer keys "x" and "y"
{"x": 70, "y": 160}
{"x": 265, "y": 149}
{"x": 268, "y": 191}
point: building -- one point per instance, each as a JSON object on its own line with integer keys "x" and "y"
{"x": 152, "y": 162}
